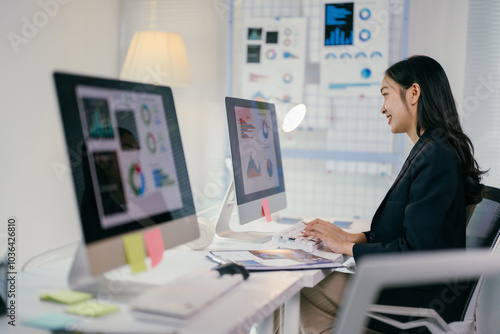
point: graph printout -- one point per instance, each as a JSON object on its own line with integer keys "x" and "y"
{"x": 355, "y": 49}
{"x": 274, "y": 58}
{"x": 257, "y": 149}
{"x": 130, "y": 154}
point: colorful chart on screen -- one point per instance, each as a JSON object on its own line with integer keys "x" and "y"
{"x": 130, "y": 154}
{"x": 257, "y": 149}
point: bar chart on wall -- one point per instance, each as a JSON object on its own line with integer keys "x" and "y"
{"x": 343, "y": 157}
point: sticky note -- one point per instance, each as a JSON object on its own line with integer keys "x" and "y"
{"x": 51, "y": 321}
{"x": 92, "y": 309}
{"x": 154, "y": 246}
{"x": 265, "y": 209}
{"x": 134, "y": 251}
{"x": 66, "y": 297}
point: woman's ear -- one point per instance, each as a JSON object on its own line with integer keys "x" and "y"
{"x": 414, "y": 93}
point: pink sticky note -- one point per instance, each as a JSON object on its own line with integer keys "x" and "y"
{"x": 265, "y": 210}
{"x": 154, "y": 246}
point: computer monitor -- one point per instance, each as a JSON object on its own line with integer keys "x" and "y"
{"x": 258, "y": 182}
{"x": 128, "y": 167}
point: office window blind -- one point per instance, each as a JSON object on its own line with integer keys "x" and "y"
{"x": 343, "y": 158}
{"x": 481, "y": 104}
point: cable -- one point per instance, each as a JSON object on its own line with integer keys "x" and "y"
{"x": 48, "y": 251}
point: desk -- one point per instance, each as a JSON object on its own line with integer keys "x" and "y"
{"x": 254, "y": 301}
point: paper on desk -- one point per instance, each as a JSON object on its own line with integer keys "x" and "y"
{"x": 277, "y": 259}
{"x": 134, "y": 251}
{"x": 66, "y": 297}
{"x": 154, "y": 246}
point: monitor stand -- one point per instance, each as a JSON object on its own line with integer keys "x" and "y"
{"x": 120, "y": 289}
{"x": 222, "y": 227}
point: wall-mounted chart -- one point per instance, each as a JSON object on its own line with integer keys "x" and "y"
{"x": 355, "y": 49}
{"x": 274, "y": 58}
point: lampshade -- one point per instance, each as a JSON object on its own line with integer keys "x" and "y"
{"x": 157, "y": 57}
{"x": 290, "y": 114}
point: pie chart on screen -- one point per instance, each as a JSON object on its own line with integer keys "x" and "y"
{"x": 136, "y": 180}
{"x": 269, "y": 168}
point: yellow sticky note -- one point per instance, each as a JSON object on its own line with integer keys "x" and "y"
{"x": 66, "y": 297}
{"x": 135, "y": 252}
{"x": 92, "y": 309}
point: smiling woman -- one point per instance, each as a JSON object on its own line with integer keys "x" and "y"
{"x": 400, "y": 107}
{"x": 425, "y": 207}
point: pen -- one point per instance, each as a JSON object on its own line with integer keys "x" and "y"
{"x": 218, "y": 260}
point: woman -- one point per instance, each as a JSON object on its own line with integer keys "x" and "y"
{"x": 425, "y": 207}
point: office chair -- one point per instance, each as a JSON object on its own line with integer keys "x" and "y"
{"x": 376, "y": 272}
{"x": 482, "y": 232}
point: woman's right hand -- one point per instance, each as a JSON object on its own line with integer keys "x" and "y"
{"x": 338, "y": 240}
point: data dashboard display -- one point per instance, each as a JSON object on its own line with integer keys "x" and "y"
{"x": 130, "y": 154}
{"x": 257, "y": 149}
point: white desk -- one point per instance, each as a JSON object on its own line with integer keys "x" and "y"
{"x": 254, "y": 301}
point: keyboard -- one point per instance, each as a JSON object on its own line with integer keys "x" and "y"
{"x": 185, "y": 296}
{"x": 291, "y": 237}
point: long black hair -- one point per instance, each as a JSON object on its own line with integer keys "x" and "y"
{"x": 437, "y": 113}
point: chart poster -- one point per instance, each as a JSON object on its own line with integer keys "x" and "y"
{"x": 274, "y": 51}
{"x": 355, "y": 47}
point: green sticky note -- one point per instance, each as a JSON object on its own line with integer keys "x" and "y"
{"x": 51, "y": 321}
{"x": 135, "y": 251}
{"x": 92, "y": 309}
{"x": 66, "y": 297}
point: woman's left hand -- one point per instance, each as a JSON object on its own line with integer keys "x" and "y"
{"x": 335, "y": 238}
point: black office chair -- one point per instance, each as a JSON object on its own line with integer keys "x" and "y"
{"x": 483, "y": 223}
{"x": 483, "y": 231}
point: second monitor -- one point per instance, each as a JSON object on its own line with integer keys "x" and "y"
{"x": 129, "y": 175}
{"x": 258, "y": 184}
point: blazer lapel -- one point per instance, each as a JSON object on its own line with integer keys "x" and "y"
{"x": 413, "y": 153}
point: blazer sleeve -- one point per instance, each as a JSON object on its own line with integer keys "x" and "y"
{"x": 433, "y": 177}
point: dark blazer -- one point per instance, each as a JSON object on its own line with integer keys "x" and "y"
{"x": 423, "y": 210}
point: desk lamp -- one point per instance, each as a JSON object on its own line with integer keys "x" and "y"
{"x": 157, "y": 57}
{"x": 289, "y": 114}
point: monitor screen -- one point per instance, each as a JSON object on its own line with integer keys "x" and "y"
{"x": 127, "y": 162}
{"x": 256, "y": 157}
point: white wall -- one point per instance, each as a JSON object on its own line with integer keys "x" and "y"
{"x": 78, "y": 36}
{"x": 200, "y": 106}
{"x": 482, "y": 88}
{"x": 438, "y": 29}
